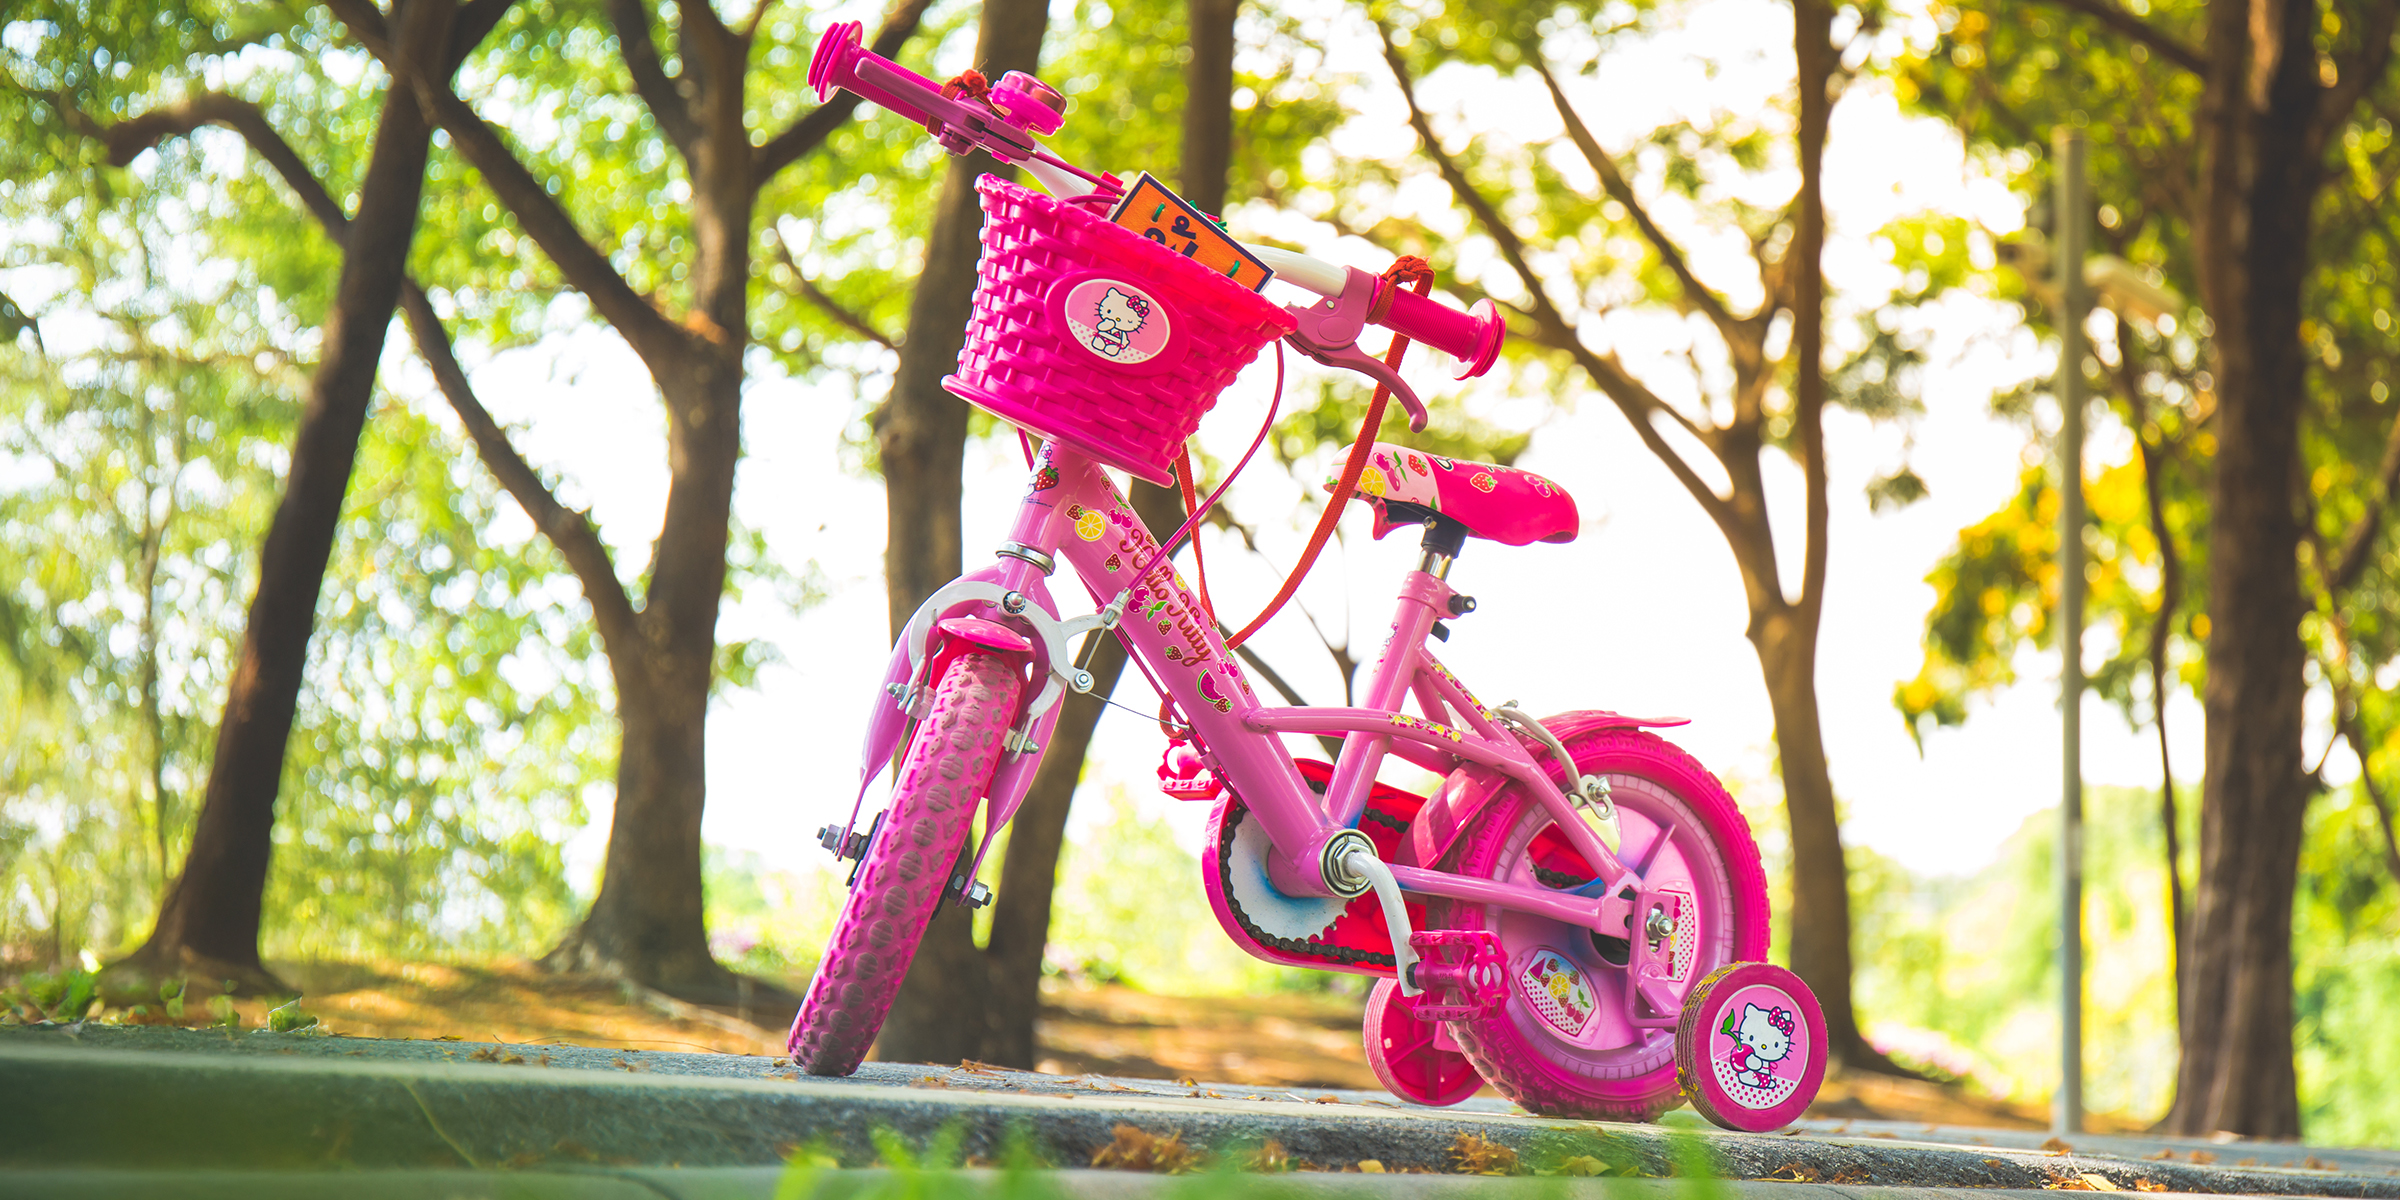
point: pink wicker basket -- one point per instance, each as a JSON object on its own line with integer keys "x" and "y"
{"x": 1087, "y": 334}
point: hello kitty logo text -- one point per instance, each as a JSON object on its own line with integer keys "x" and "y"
{"x": 1116, "y": 320}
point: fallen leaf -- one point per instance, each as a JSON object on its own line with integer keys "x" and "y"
{"x": 1793, "y": 1172}
{"x": 2249, "y": 1162}
{"x": 1133, "y": 1149}
{"x": 1326, "y": 1100}
{"x": 1478, "y": 1155}
{"x": 2100, "y": 1183}
{"x": 2203, "y": 1157}
{"x": 2058, "y": 1146}
{"x": 1271, "y": 1158}
{"x": 2313, "y": 1163}
{"x": 1853, "y": 1174}
{"x": 1369, "y": 1166}
{"x": 2161, "y": 1156}
{"x": 1187, "y": 1082}
{"x": 448, "y": 1037}
{"x": 2150, "y": 1185}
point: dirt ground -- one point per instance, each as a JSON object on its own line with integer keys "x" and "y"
{"x": 1290, "y": 1040}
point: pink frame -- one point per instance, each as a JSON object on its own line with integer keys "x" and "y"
{"x": 1163, "y": 628}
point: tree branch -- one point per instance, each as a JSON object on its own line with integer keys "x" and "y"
{"x": 2360, "y": 72}
{"x": 833, "y": 308}
{"x": 571, "y": 532}
{"x": 2129, "y": 25}
{"x": 1613, "y": 182}
{"x": 127, "y": 139}
{"x": 811, "y": 130}
{"x": 658, "y": 90}
{"x": 2359, "y": 544}
{"x": 644, "y": 327}
{"x": 1636, "y": 401}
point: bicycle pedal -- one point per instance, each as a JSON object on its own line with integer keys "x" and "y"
{"x": 1470, "y": 983}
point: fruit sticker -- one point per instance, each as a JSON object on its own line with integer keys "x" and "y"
{"x": 1116, "y": 320}
{"x": 1483, "y": 481}
{"x": 1371, "y": 482}
{"x": 1209, "y": 692}
{"x": 1091, "y": 526}
{"x": 1556, "y": 988}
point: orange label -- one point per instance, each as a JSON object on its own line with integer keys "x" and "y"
{"x": 1152, "y": 211}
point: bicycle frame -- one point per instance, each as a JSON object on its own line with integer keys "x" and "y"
{"x": 1163, "y": 626}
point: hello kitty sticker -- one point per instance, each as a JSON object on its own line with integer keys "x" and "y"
{"x": 1755, "y": 1049}
{"x": 1116, "y": 320}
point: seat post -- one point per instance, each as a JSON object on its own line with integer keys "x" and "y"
{"x": 1444, "y": 538}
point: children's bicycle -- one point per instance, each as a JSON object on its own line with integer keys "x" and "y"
{"x": 1575, "y": 915}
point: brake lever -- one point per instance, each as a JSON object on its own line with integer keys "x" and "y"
{"x": 1328, "y": 330}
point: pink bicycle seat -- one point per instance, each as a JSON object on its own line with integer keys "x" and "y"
{"x": 1501, "y": 504}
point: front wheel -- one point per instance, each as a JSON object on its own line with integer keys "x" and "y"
{"x": 949, "y": 761}
{"x": 1564, "y": 1043}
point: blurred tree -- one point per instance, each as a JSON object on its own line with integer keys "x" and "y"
{"x": 2238, "y": 149}
{"x": 1777, "y": 390}
{"x": 208, "y": 925}
{"x": 445, "y": 738}
{"x": 647, "y": 923}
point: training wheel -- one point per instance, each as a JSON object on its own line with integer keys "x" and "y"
{"x": 1750, "y": 1049}
{"x": 1415, "y": 1060}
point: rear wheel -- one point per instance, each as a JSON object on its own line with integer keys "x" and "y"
{"x": 1564, "y": 1043}
{"x": 949, "y": 761}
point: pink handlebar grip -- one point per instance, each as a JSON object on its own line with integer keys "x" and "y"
{"x": 1472, "y": 337}
{"x": 1001, "y": 122}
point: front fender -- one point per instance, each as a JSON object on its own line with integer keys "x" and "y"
{"x": 1471, "y": 788}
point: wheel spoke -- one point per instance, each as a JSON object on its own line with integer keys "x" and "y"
{"x": 1666, "y": 833}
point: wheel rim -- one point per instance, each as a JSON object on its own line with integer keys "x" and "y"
{"x": 1583, "y": 1025}
{"x": 1407, "y": 1056}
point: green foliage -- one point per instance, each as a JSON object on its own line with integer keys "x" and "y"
{"x": 1958, "y": 975}
{"x": 1130, "y": 909}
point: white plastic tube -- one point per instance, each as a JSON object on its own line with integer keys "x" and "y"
{"x": 1315, "y": 274}
{"x": 1362, "y": 861}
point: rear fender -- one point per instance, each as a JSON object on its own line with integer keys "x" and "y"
{"x": 1472, "y": 788}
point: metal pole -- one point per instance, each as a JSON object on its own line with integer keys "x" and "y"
{"x": 2066, "y": 1114}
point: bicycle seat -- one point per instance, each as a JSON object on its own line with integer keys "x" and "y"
{"x": 1501, "y": 504}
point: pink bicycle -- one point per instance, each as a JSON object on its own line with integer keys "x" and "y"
{"x": 1574, "y": 916}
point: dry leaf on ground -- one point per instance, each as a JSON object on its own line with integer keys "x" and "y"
{"x": 1477, "y": 1155}
{"x": 1135, "y": 1149}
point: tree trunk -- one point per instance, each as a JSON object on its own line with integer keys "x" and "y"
{"x": 1208, "y": 104}
{"x": 1021, "y": 915}
{"x": 647, "y": 924}
{"x": 1021, "y": 918}
{"x": 921, "y": 435}
{"x": 1787, "y": 652}
{"x": 208, "y": 926}
{"x": 1785, "y": 633}
{"x": 2261, "y": 174}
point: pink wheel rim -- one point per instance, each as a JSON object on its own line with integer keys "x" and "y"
{"x": 1750, "y": 1048}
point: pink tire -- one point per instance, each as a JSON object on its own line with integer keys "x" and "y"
{"x": 1750, "y": 1047}
{"x": 1564, "y": 1044}
{"x": 949, "y": 760}
{"x": 1410, "y": 1056}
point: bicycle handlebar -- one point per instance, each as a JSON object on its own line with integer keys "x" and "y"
{"x": 1005, "y": 120}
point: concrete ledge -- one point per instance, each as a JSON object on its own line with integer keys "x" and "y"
{"x": 758, "y": 1183}
{"x": 262, "y": 1101}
